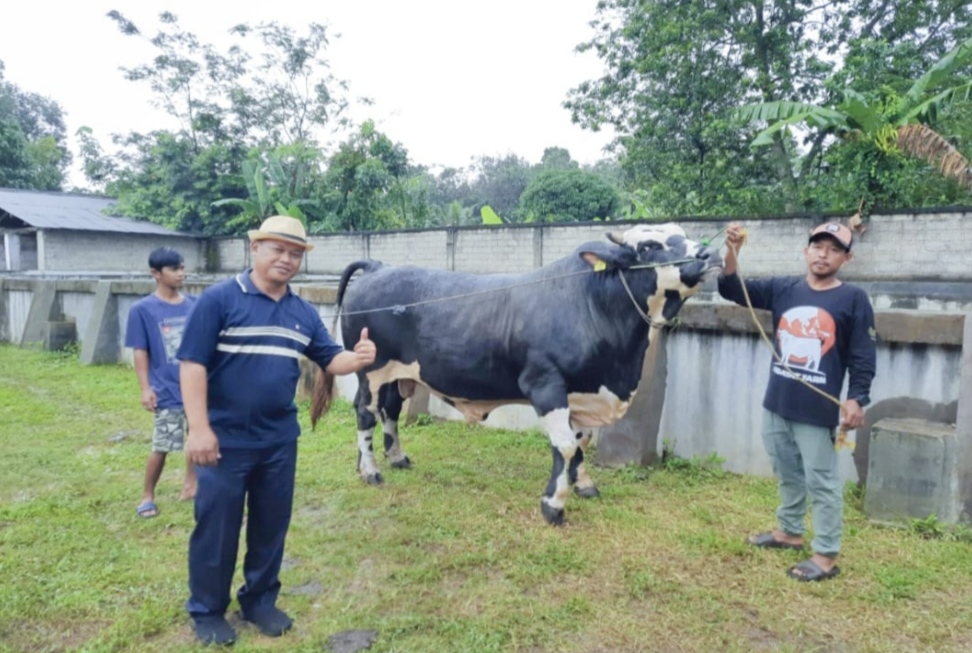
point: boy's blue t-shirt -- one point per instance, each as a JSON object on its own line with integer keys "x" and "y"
{"x": 156, "y": 326}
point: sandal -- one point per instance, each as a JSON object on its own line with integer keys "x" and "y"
{"x": 767, "y": 541}
{"x": 808, "y": 571}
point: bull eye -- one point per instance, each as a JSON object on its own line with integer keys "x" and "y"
{"x": 649, "y": 245}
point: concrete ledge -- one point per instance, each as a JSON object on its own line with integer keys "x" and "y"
{"x": 317, "y": 294}
{"x": 912, "y": 472}
{"x": 898, "y": 326}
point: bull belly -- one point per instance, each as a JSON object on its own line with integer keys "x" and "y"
{"x": 587, "y": 410}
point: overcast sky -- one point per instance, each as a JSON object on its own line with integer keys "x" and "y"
{"x": 450, "y": 79}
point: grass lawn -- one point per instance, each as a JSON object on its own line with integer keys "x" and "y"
{"x": 452, "y": 555}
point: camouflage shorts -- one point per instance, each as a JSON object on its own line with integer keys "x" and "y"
{"x": 170, "y": 430}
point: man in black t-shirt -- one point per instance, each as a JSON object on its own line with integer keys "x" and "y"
{"x": 823, "y": 329}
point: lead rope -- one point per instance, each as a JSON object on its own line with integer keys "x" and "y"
{"x": 398, "y": 309}
{"x": 842, "y": 440}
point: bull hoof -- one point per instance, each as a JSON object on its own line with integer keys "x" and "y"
{"x": 554, "y": 516}
{"x": 404, "y": 463}
{"x": 587, "y": 492}
{"x": 374, "y": 479}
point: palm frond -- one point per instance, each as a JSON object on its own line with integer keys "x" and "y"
{"x": 925, "y": 143}
{"x": 785, "y": 110}
{"x": 938, "y": 73}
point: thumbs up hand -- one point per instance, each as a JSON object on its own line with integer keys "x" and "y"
{"x": 365, "y": 350}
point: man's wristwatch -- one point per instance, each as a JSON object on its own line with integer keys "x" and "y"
{"x": 862, "y": 399}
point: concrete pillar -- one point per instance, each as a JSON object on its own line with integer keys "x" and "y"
{"x": 538, "y": 247}
{"x": 43, "y": 309}
{"x": 41, "y": 251}
{"x": 451, "y": 235}
{"x": 101, "y": 340}
{"x": 417, "y": 404}
{"x": 634, "y": 438}
{"x": 4, "y": 315}
{"x": 11, "y": 251}
{"x": 911, "y": 471}
{"x": 963, "y": 423}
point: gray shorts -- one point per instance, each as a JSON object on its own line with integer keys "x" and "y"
{"x": 170, "y": 430}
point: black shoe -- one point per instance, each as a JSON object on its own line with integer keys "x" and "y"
{"x": 214, "y": 630}
{"x": 271, "y": 621}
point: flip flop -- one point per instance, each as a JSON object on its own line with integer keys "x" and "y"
{"x": 147, "y": 510}
{"x": 767, "y": 541}
{"x": 808, "y": 571}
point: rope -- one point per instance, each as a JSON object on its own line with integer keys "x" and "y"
{"x": 842, "y": 440}
{"x": 398, "y": 309}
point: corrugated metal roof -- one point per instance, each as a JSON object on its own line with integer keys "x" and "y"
{"x": 51, "y": 210}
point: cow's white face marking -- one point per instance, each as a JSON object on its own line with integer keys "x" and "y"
{"x": 660, "y": 234}
{"x": 667, "y": 243}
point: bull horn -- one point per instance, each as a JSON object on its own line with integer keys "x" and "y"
{"x": 615, "y": 238}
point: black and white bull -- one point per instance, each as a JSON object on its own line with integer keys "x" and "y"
{"x": 568, "y": 338}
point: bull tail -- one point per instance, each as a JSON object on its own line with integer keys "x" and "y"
{"x": 323, "y": 394}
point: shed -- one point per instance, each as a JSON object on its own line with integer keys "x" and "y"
{"x": 62, "y": 232}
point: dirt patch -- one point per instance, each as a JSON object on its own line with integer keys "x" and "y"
{"x": 49, "y": 637}
{"x": 310, "y": 588}
{"x": 351, "y": 641}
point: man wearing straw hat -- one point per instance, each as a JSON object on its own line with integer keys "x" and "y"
{"x": 239, "y": 370}
{"x": 823, "y": 329}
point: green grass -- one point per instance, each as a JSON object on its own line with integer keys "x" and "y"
{"x": 452, "y": 555}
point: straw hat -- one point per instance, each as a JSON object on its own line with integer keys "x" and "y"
{"x": 282, "y": 228}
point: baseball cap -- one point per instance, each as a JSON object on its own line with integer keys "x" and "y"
{"x": 835, "y": 230}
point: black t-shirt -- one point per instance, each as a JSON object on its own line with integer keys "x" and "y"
{"x": 820, "y": 335}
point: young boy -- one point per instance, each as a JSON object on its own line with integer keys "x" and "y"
{"x": 155, "y": 325}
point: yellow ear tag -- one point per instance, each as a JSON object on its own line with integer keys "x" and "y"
{"x": 600, "y": 266}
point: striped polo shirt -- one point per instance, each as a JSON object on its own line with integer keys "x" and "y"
{"x": 251, "y": 345}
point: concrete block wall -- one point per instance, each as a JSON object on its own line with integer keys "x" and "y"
{"x": 561, "y": 241}
{"x": 427, "y": 249}
{"x": 928, "y": 245}
{"x": 331, "y": 254}
{"x": 64, "y": 250}
{"x": 494, "y": 250}
{"x": 232, "y": 253}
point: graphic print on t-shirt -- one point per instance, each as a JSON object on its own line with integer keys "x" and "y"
{"x": 171, "y": 329}
{"x": 804, "y": 335}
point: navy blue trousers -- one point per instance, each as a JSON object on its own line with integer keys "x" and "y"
{"x": 262, "y": 481}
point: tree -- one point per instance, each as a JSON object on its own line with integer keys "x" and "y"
{"x": 568, "y": 196}
{"x": 878, "y": 126}
{"x": 33, "y": 153}
{"x": 676, "y": 72}
{"x": 367, "y": 184}
{"x": 269, "y": 91}
{"x": 499, "y": 182}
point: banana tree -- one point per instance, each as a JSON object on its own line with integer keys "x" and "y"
{"x": 271, "y": 190}
{"x": 900, "y": 124}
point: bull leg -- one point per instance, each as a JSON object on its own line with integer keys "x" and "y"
{"x": 367, "y": 465}
{"x": 579, "y": 478}
{"x": 564, "y": 447}
{"x": 390, "y": 402}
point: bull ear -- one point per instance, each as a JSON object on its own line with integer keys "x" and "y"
{"x": 600, "y": 255}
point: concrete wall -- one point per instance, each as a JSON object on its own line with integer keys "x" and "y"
{"x": 927, "y": 246}
{"x": 65, "y": 251}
